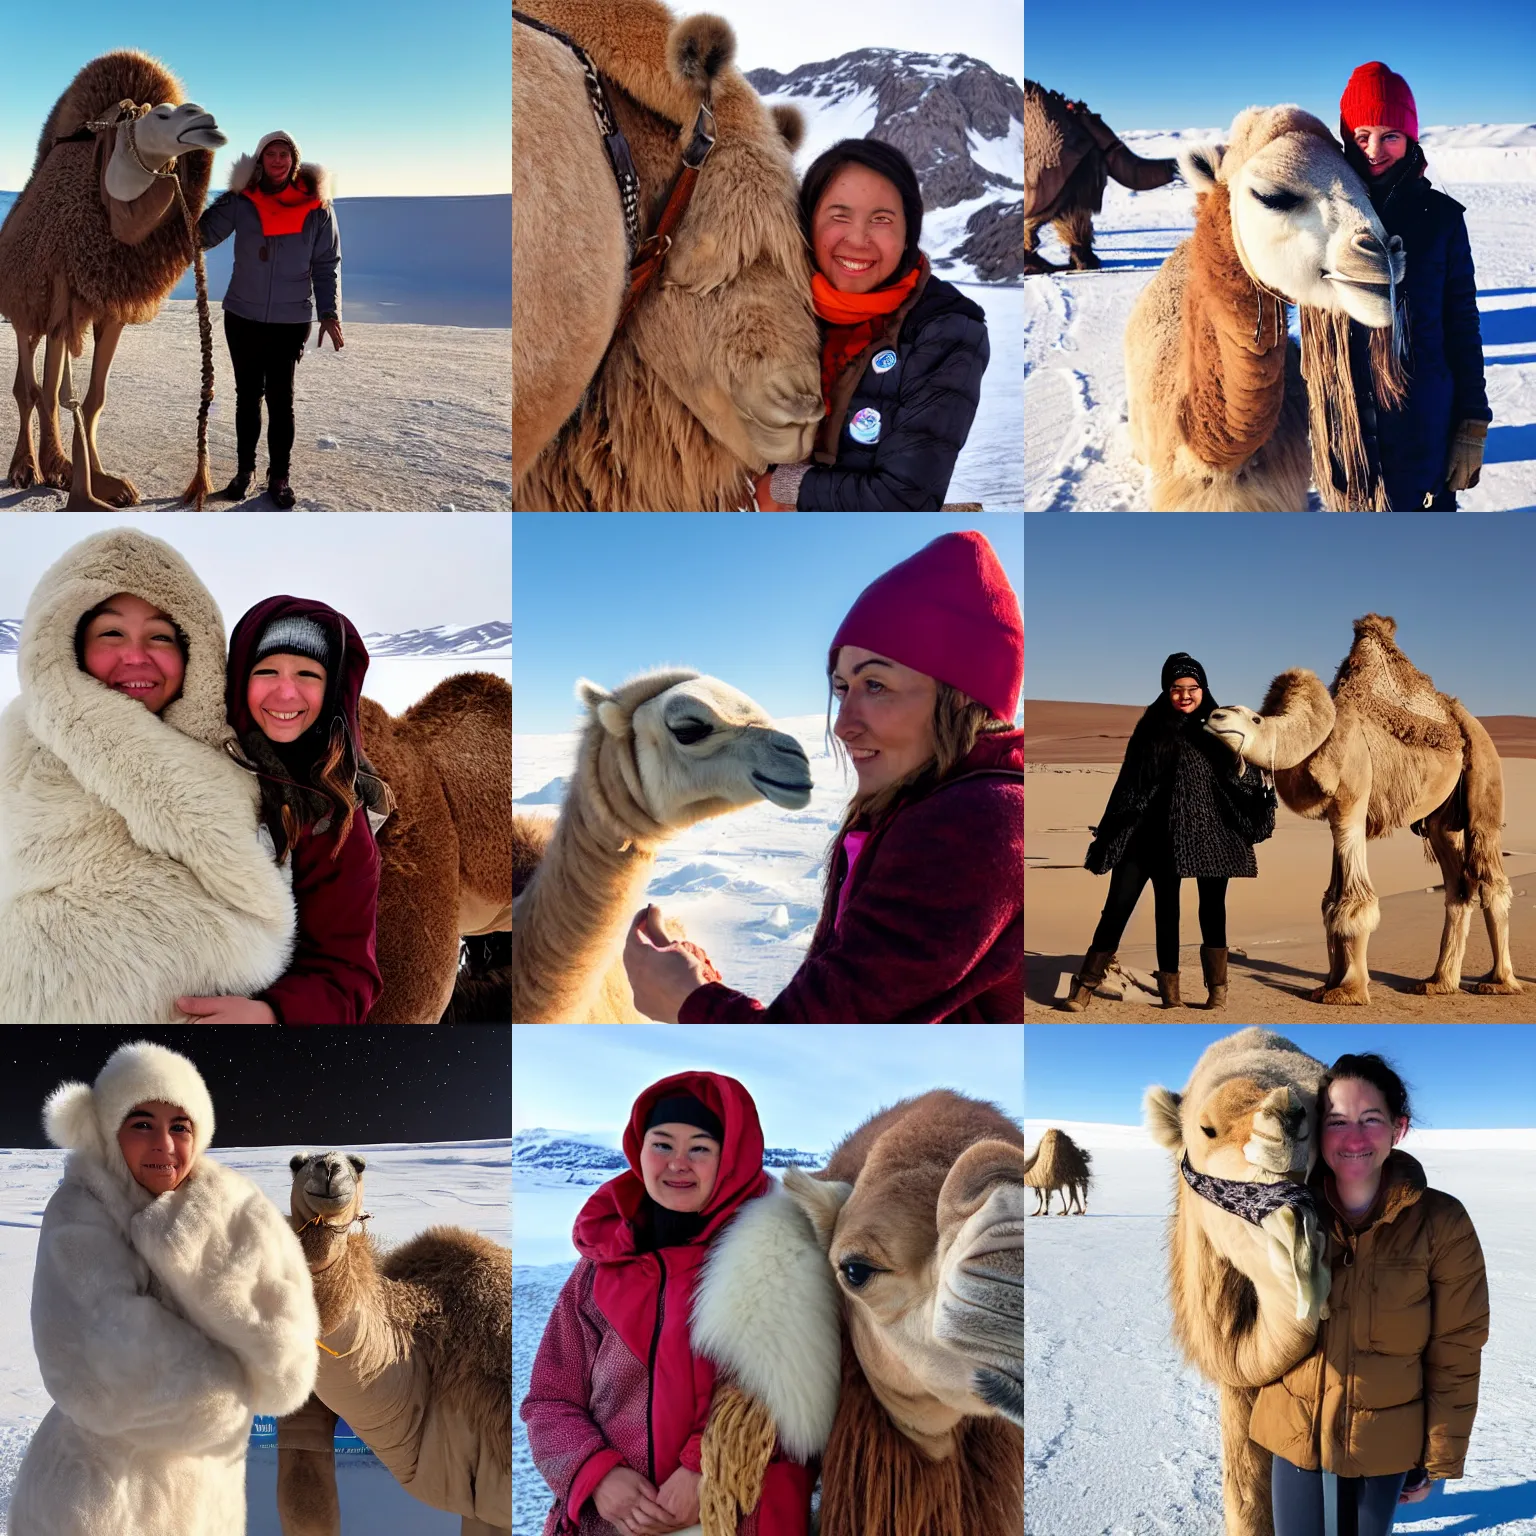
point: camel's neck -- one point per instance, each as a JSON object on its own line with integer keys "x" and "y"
{"x": 126, "y": 179}
{"x": 1232, "y": 349}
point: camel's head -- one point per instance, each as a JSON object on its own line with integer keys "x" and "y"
{"x": 1294, "y": 721}
{"x": 165, "y": 132}
{"x": 928, "y": 1248}
{"x": 327, "y": 1186}
{"x": 696, "y": 747}
{"x": 1302, "y": 220}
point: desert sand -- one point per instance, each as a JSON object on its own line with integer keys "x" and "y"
{"x": 1274, "y": 923}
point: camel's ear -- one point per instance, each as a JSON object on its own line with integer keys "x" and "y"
{"x": 699, "y": 47}
{"x": 297, "y": 1161}
{"x": 1199, "y": 164}
{"x": 608, "y": 710}
{"x": 790, "y": 121}
{"x": 357, "y": 1163}
{"x": 1161, "y": 1109}
{"x": 820, "y": 1199}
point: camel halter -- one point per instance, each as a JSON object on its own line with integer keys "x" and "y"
{"x": 1253, "y": 1202}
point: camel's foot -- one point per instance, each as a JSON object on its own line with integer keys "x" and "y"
{"x": 112, "y": 490}
{"x": 55, "y": 469}
{"x": 80, "y": 502}
{"x": 1084, "y": 260}
{"x": 23, "y": 471}
{"x": 1491, "y": 988}
{"x": 1340, "y": 997}
{"x": 1435, "y": 986}
{"x": 1037, "y": 266}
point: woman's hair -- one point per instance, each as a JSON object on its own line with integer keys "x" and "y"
{"x": 1375, "y": 1070}
{"x": 287, "y": 802}
{"x": 885, "y": 160}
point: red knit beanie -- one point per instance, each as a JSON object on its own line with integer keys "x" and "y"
{"x": 948, "y": 611}
{"x": 1375, "y": 97}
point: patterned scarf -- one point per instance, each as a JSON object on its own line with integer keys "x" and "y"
{"x": 1253, "y": 1202}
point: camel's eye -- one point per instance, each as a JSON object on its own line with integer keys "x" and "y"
{"x": 1281, "y": 202}
{"x": 856, "y": 1273}
{"x": 690, "y": 731}
{"x": 1210, "y": 1130}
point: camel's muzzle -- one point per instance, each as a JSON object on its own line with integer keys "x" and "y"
{"x": 789, "y": 796}
{"x": 203, "y": 132}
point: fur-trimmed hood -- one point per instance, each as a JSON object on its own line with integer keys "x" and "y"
{"x": 311, "y": 179}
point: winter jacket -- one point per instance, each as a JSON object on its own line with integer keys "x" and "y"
{"x": 130, "y": 868}
{"x": 933, "y": 929}
{"x": 276, "y": 276}
{"x": 162, "y": 1324}
{"x": 619, "y": 1379}
{"x": 1179, "y": 797}
{"x": 900, "y": 413}
{"x": 1392, "y": 1382}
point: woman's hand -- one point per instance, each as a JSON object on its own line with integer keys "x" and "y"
{"x": 331, "y": 328}
{"x": 226, "y": 1010}
{"x": 661, "y": 974}
{"x": 764, "y": 497}
{"x": 627, "y": 1500}
{"x": 680, "y": 1495}
{"x": 1416, "y": 1495}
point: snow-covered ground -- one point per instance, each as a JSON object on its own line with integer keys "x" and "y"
{"x": 1076, "y": 448}
{"x": 990, "y": 467}
{"x": 458, "y": 1183}
{"x": 1123, "y": 1439}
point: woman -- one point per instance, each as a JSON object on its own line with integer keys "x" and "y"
{"x": 296, "y": 670}
{"x": 287, "y": 259}
{"x": 171, "y": 1304}
{"x": 131, "y": 871}
{"x": 620, "y": 1396}
{"x": 922, "y": 917}
{"x": 1432, "y": 445}
{"x": 903, "y": 351}
{"x": 1385, "y": 1402}
{"x": 1179, "y": 810}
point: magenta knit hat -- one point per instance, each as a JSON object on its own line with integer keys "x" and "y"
{"x": 1375, "y": 97}
{"x": 948, "y": 611}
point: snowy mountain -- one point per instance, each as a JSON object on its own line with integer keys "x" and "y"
{"x": 438, "y": 640}
{"x": 958, "y": 121}
{"x": 10, "y": 636}
{"x": 600, "y": 1158}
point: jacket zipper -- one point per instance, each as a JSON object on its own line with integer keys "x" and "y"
{"x": 650, "y": 1371}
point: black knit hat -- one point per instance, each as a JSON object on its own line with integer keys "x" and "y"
{"x": 885, "y": 160}
{"x": 685, "y": 1109}
{"x": 1182, "y": 664}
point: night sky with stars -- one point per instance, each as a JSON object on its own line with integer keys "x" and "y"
{"x": 276, "y": 1087}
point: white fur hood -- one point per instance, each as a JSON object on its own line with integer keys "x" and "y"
{"x": 766, "y": 1312}
{"x": 312, "y": 178}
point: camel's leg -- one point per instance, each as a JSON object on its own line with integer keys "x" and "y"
{"x": 1450, "y": 853}
{"x": 81, "y": 497}
{"x": 1034, "y": 262}
{"x": 1245, "y": 1468}
{"x": 29, "y": 397}
{"x": 307, "y": 1501}
{"x": 1038, "y": 1207}
{"x": 1350, "y": 911}
{"x": 1075, "y": 231}
{"x": 53, "y": 463}
{"x": 111, "y": 489}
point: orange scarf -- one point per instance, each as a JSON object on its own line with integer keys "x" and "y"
{"x": 282, "y": 213}
{"x": 853, "y": 319}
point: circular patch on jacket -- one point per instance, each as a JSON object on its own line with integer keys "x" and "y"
{"x": 865, "y": 426}
{"x": 883, "y": 361}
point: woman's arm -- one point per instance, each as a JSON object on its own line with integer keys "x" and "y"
{"x": 217, "y": 223}
{"x": 1458, "y": 1284}
{"x": 325, "y": 265}
{"x": 1461, "y": 329}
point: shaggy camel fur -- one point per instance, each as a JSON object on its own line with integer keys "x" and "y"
{"x": 1383, "y": 749}
{"x": 1218, "y": 398}
{"x": 445, "y": 854}
{"x": 1246, "y": 1298}
{"x": 415, "y": 1354}
{"x": 921, "y": 1211}
{"x": 1059, "y": 1163}
{"x": 1069, "y": 154}
{"x": 717, "y": 372}
{"x": 74, "y": 254}
{"x": 661, "y": 752}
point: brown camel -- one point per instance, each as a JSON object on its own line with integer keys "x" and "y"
{"x": 921, "y": 1211}
{"x": 445, "y": 853}
{"x": 1246, "y": 1297}
{"x": 716, "y": 373}
{"x": 1384, "y": 749}
{"x": 97, "y": 240}
{"x": 1069, "y": 155}
{"x": 415, "y": 1353}
{"x": 1059, "y": 1163}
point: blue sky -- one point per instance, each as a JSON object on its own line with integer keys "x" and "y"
{"x": 395, "y": 97}
{"x": 1144, "y": 66}
{"x": 1459, "y": 1076}
{"x": 753, "y": 600}
{"x": 811, "y": 1084}
{"x": 1106, "y": 598}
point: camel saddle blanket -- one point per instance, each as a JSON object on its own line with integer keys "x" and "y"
{"x": 1253, "y": 1202}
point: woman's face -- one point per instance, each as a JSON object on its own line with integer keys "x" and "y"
{"x": 284, "y": 695}
{"x": 131, "y": 646}
{"x": 1357, "y": 1130}
{"x": 277, "y": 160}
{"x": 1185, "y": 694}
{"x": 156, "y": 1141}
{"x": 1382, "y": 147}
{"x": 679, "y": 1164}
{"x": 884, "y": 716}
{"x": 858, "y": 230}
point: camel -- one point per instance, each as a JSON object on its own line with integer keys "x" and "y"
{"x": 445, "y": 851}
{"x": 1246, "y": 1296}
{"x": 921, "y": 1211}
{"x": 97, "y": 238}
{"x": 1069, "y": 154}
{"x": 716, "y": 373}
{"x": 415, "y": 1353}
{"x": 1218, "y": 397}
{"x": 1383, "y": 749}
{"x": 659, "y": 753}
{"x": 1059, "y": 1163}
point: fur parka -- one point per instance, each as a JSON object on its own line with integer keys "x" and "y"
{"x": 162, "y": 1324}
{"x": 131, "y": 871}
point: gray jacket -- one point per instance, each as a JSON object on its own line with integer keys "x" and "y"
{"x": 279, "y": 279}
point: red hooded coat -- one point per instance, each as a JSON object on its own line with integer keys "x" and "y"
{"x": 616, "y": 1381}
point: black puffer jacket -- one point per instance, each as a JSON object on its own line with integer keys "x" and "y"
{"x": 1179, "y": 798}
{"x": 901, "y": 457}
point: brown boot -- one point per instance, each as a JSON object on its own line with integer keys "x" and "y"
{"x": 1213, "y": 962}
{"x": 1168, "y": 988}
{"x": 1095, "y": 963}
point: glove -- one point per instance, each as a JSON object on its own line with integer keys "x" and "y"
{"x": 1464, "y": 464}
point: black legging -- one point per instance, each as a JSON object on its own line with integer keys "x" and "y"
{"x": 1367, "y": 1505}
{"x": 264, "y": 358}
{"x": 1127, "y": 881}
